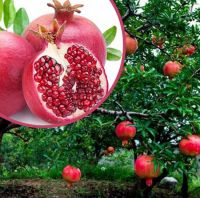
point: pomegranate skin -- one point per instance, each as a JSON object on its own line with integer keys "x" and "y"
{"x": 188, "y": 50}
{"x": 131, "y": 44}
{"x": 15, "y": 53}
{"x": 171, "y": 68}
{"x": 110, "y": 150}
{"x": 145, "y": 169}
{"x": 78, "y": 30}
{"x": 125, "y": 132}
{"x": 71, "y": 175}
{"x": 190, "y": 146}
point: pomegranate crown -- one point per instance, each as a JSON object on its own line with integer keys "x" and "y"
{"x": 51, "y": 35}
{"x": 65, "y": 7}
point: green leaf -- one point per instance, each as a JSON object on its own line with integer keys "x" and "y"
{"x": 1, "y": 9}
{"x": 110, "y": 34}
{"x": 113, "y": 54}
{"x": 9, "y": 13}
{"x": 21, "y": 21}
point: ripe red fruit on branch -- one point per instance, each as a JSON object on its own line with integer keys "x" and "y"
{"x": 79, "y": 30}
{"x": 146, "y": 169}
{"x": 125, "y": 131}
{"x": 71, "y": 175}
{"x": 64, "y": 81}
{"x": 172, "y": 68}
{"x": 188, "y": 50}
{"x": 15, "y": 53}
{"x": 142, "y": 68}
{"x": 190, "y": 145}
{"x": 131, "y": 44}
{"x": 110, "y": 150}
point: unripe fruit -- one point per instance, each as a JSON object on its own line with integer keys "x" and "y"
{"x": 71, "y": 175}
{"x": 171, "y": 68}
{"x": 145, "y": 168}
{"x": 190, "y": 146}
{"x": 142, "y": 68}
{"x": 125, "y": 132}
{"x": 159, "y": 42}
{"x": 131, "y": 45}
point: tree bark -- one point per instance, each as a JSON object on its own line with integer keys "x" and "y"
{"x": 184, "y": 188}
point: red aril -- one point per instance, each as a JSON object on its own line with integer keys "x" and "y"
{"x": 190, "y": 145}
{"x": 64, "y": 81}
{"x": 79, "y": 30}
{"x": 15, "y": 53}
{"x": 71, "y": 175}
{"x": 125, "y": 131}
{"x": 145, "y": 168}
{"x": 171, "y": 68}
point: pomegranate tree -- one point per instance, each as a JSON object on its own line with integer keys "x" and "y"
{"x": 190, "y": 145}
{"x": 71, "y": 175}
{"x": 125, "y": 131}
{"x": 15, "y": 53}
{"x": 131, "y": 44}
{"x": 65, "y": 80}
{"x": 146, "y": 169}
{"x": 171, "y": 68}
{"x": 79, "y": 30}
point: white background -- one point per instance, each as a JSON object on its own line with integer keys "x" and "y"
{"x": 101, "y": 12}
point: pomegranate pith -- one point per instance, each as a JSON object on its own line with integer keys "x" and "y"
{"x": 66, "y": 80}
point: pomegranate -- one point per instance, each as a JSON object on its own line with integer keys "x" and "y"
{"x": 188, "y": 50}
{"x": 15, "y": 51}
{"x": 145, "y": 168}
{"x": 64, "y": 81}
{"x": 190, "y": 145}
{"x": 110, "y": 150}
{"x": 131, "y": 44}
{"x": 142, "y": 68}
{"x": 125, "y": 132}
{"x": 71, "y": 175}
{"x": 172, "y": 68}
{"x": 78, "y": 30}
{"x": 159, "y": 42}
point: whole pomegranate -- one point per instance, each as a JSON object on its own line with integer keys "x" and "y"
{"x": 172, "y": 68}
{"x": 79, "y": 30}
{"x": 71, "y": 175}
{"x": 65, "y": 80}
{"x": 190, "y": 145}
{"x": 131, "y": 44}
{"x": 15, "y": 52}
{"x": 145, "y": 168}
{"x": 125, "y": 132}
{"x": 142, "y": 68}
{"x": 110, "y": 150}
{"x": 188, "y": 50}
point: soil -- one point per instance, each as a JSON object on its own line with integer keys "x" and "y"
{"x": 38, "y": 188}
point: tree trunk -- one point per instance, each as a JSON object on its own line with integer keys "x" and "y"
{"x": 184, "y": 188}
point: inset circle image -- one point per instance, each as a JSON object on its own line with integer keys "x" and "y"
{"x": 60, "y": 60}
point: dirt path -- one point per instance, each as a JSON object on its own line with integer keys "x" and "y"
{"x": 38, "y": 188}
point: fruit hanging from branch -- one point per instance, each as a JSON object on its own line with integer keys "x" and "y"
{"x": 125, "y": 131}
{"x": 71, "y": 175}
{"x": 65, "y": 80}
{"x": 159, "y": 42}
{"x": 131, "y": 44}
{"x": 171, "y": 69}
{"x": 110, "y": 150}
{"x": 188, "y": 50}
{"x": 145, "y": 168}
{"x": 15, "y": 53}
{"x": 79, "y": 30}
{"x": 190, "y": 146}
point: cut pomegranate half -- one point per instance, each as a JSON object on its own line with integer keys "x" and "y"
{"x": 64, "y": 81}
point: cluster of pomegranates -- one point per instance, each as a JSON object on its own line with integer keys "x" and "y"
{"x": 56, "y": 68}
